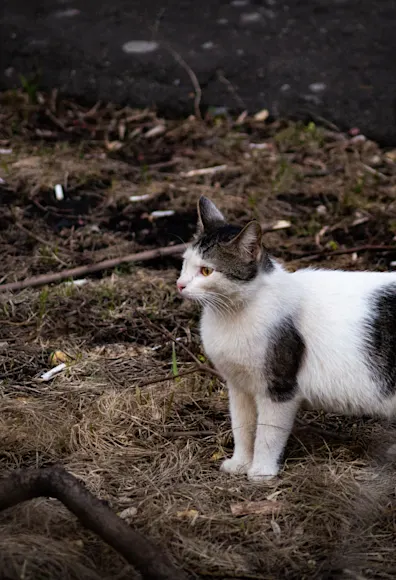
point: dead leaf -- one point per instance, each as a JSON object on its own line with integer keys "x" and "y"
{"x": 391, "y": 155}
{"x": 188, "y": 515}
{"x": 128, "y": 513}
{"x": 114, "y": 145}
{"x": 281, "y": 225}
{"x": 217, "y": 455}
{"x": 241, "y": 118}
{"x": 155, "y": 131}
{"x": 263, "y": 507}
{"x": 276, "y": 528}
{"x": 261, "y": 115}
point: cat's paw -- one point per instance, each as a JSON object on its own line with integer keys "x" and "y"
{"x": 235, "y": 465}
{"x": 260, "y": 473}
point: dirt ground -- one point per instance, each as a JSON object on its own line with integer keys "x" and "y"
{"x": 135, "y": 414}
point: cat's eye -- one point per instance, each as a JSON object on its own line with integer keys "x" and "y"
{"x": 205, "y": 271}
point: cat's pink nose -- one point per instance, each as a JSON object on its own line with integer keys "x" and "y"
{"x": 180, "y": 286}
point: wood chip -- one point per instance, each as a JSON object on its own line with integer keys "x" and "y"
{"x": 204, "y": 171}
{"x": 263, "y": 507}
{"x": 191, "y": 515}
{"x": 261, "y": 115}
{"x": 155, "y": 131}
{"x": 128, "y": 513}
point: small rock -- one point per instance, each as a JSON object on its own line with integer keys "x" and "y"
{"x": 375, "y": 160}
{"x": 261, "y": 115}
{"x": 317, "y": 87}
{"x": 67, "y": 13}
{"x": 140, "y": 46}
{"x": 358, "y": 139}
{"x": 276, "y": 528}
{"x": 162, "y": 213}
{"x": 128, "y": 513}
{"x": 321, "y": 209}
{"x": 250, "y": 17}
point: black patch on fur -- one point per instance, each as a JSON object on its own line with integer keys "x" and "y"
{"x": 226, "y": 260}
{"x": 284, "y": 357}
{"x": 380, "y": 354}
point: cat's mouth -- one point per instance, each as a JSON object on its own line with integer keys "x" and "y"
{"x": 186, "y": 295}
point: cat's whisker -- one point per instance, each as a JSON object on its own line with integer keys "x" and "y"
{"x": 219, "y": 305}
{"x": 220, "y": 300}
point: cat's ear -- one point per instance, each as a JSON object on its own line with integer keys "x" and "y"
{"x": 248, "y": 243}
{"x": 208, "y": 214}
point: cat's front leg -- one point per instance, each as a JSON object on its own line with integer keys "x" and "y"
{"x": 274, "y": 424}
{"x": 243, "y": 420}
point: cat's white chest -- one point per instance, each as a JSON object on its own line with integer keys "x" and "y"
{"x": 233, "y": 346}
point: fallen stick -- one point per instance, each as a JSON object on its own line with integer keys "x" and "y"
{"x": 329, "y": 253}
{"x": 82, "y": 270}
{"x": 25, "y": 484}
{"x": 111, "y": 263}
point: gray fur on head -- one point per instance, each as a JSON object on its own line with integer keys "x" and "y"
{"x": 235, "y": 251}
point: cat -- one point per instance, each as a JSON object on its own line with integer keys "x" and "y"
{"x": 320, "y": 337}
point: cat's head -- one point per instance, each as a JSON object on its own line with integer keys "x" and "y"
{"x": 224, "y": 261}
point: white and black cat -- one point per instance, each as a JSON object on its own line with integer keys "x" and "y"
{"x": 326, "y": 338}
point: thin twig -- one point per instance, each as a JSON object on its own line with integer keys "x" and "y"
{"x": 56, "y": 121}
{"x": 171, "y": 377}
{"x": 323, "y": 432}
{"x": 94, "y": 514}
{"x": 177, "y": 434}
{"x": 83, "y": 270}
{"x": 40, "y": 241}
{"x": 375, "y": 172}
{"x": 365, "y": 248}
{"x": 232, "y": 89}
{"x": 194, "y": 80}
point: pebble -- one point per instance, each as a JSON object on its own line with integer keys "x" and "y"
{"x": 67, "y": 13}
{"x": 140, "y": 46}
{"x": 249, "y": 17}
{"x": 317, "y": 87}
{"x": 321, "y": 210}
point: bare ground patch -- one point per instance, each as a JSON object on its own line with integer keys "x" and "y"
{"x": 132, "y": 414}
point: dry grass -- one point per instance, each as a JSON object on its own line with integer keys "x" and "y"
{"x": 152, "y": 445}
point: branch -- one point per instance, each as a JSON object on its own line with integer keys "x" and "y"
{"x": 45, "y": 279}
{"x": 365, "y": 248}
{"x": 82, "y": 270}
{"x": 193, "y": 78}
{"x": 23, "y": 485}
